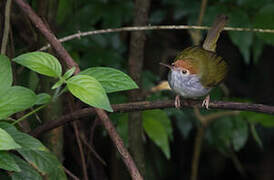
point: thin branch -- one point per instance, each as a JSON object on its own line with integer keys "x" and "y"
{"x": 146, "y": 105}
{"x": 83, "y": 160}
{"x": 197, "y": 152}
{"x": 95, "y": 154}
{"x": 196, "y": 35}
{"x": 80, "y": 34}
{"x": 6, "y": 27}
{"x": 202, "y": 12}
{"x": 126, "y": 157}
{"x": 70, "y": 174}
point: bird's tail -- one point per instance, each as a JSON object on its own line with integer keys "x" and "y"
{"x": 214, "y": 33}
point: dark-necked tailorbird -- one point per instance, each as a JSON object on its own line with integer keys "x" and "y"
{"x": 196, "y": 70}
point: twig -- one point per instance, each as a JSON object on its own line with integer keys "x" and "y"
{"x": 6, "y": 27}
{"x": 83, "y": 160}
{"x": 197, "y": 151}
{"x": 202, "y": 12}
{"x": 146, "y": 105}
{"x": 80, "y": 34}
{"x": 93, "y": 151}
{"x": 70, "y": 174}
{"x": 134, "y": 172}
{"x": 196, "y": 35}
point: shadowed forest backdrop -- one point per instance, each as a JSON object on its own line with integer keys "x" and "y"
{"x": 165, "y": 143}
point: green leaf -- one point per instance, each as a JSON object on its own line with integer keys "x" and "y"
{"x": 111, "y": 79}
{"x": 24, "y": 140}
{"x": 263, "y": 19}
{"x": 264, "y": 119}
{"x": 40, "y": 62}
{"x": 6, "y": 141}
{"x": 184, "y": 120}
{"x": 6, "y": 74}
{"x": 16, "y": 99}
{"x": 162, "y": 117}
{"x": 227, "y": 132}
{"x": 239, "y": 133}
{"x": 90, "y": 91}
{"x": 257, "y": 49}
{"x": 255, "y": 135}
{"x": 243, "y": 40}
{"x": 45, "y": 163}
{"x": 33, "y": 80}
{"x": 219, "y": 134}
{"x": 58, "y": 84}
{"x": 64, "y": 9}
{"x": 69, "y": 73}
{"x": 27, "y": 171}
{"x": 42, "y": 98}
{"x": 122, "y": 125}
{"x": 7, "y": 162}
{"x": 157, "y": 133}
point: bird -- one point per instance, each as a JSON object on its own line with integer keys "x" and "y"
{"x": 198, "y": 69}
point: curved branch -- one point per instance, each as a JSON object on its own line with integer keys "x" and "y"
{"x": 146, "y": 105}
{"x": 80, "y": 34}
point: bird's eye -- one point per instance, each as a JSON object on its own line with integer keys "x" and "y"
{"x": 184, "y": 72}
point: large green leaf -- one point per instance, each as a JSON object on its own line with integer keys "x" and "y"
{"x": 6, "y": 74}
{"x": 16, "y": 99}
{"x": 239, "y": 133}
{"x": 111, "y": 79}
{"x": 264, "y": 19}
{"x": 6, "y": 141}
{"x": 242, "y": 40}
{"x": 42, "y": 98}
{"x": 158, "y": 134}
{"x": 89, "y": 90}
{"x": 162, "y": 117}
{"x": 40, "y": 62}
{"x": 45, "y": 162}
{"x": 24, "y": 140}
{"x": 27, "y": 171}
{"x": 226, "y": 132}
{"x": 7, "y": 162}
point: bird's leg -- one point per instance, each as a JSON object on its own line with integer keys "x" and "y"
{"x": 206, "y": 101}
{"x": 177, "y": 101}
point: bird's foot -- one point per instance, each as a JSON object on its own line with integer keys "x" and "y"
{"x": 177, "y": 102}
{"x": 206, "y": 102}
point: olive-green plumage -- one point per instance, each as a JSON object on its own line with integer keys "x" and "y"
{"x": 196, "y": 70}
{"x": 211, "y": 68}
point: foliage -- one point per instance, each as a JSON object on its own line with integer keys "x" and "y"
{"x": 103, "y": 59}
{"x": 38, "y": 160}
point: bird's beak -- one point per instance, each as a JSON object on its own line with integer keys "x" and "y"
{"x": 166, "y": 65}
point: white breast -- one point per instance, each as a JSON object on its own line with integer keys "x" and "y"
{"x": 188, "y": 86}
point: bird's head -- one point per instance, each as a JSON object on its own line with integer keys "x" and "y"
{"x": 183, "y": 67}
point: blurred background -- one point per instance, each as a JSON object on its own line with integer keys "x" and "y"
{"x": 234, "y": 145}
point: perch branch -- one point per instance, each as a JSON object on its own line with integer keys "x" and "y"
{"x": 146, "y": 105}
